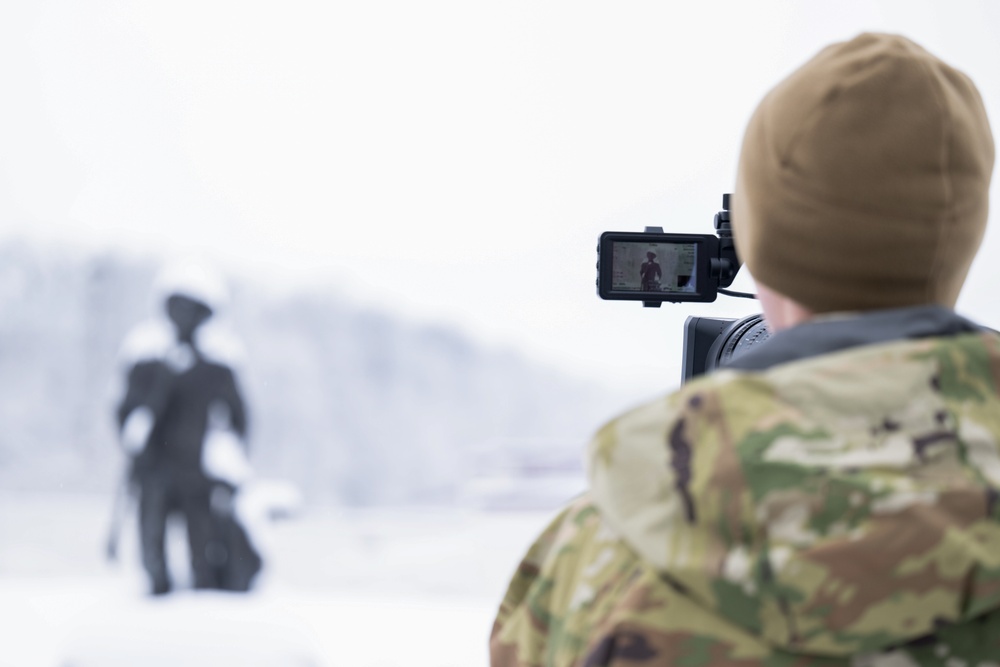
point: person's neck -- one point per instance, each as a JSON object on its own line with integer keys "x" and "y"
{"x": 187, "y": 340}
{"x": 781, "y": 312}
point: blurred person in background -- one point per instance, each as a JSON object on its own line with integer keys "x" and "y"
{"x": 183, "y": 425}
{"x": 831, "y": 498}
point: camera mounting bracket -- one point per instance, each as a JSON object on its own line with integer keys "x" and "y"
{"x": 727, "y": 264}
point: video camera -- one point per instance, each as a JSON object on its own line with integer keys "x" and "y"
{"x": 654, "y": 267}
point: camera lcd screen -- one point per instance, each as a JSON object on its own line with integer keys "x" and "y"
{"x": 664, "y": 268}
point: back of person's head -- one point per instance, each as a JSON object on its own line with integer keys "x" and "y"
{"x": 864, "y": 179}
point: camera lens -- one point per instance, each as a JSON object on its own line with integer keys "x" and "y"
{"x": 737, "y": 339}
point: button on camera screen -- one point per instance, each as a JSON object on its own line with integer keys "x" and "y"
{"x": 669, "y": 268}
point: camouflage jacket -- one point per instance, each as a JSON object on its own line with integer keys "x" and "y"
{"x": 836, "y": 510}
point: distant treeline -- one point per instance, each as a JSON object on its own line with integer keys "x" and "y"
{"x": 353, "y": 405}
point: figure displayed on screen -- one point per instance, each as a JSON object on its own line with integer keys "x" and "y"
{"x": 183, "y": 410}
{"x": 650, "y": 273}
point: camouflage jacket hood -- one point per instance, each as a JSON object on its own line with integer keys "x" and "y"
{"x": 827, "y": 510}
{"x": 831, "y": 506}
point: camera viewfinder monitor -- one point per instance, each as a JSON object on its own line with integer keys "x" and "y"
{"x": 657, "y": 267}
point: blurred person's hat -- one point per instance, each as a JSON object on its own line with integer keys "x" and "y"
{"x": 194, "y": 280}
{"x": 863, "y": 180}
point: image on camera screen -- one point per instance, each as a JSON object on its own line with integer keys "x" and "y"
{"x": 654, "y": 267}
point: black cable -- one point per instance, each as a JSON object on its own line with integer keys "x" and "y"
{"x": 742, "y": 295}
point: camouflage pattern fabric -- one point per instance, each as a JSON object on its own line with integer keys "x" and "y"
{"x": 840, "y": 510}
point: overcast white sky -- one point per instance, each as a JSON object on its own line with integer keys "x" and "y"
{"x": 452, "y": 161}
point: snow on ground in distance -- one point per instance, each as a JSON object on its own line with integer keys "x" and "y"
{"x": 361, "y": 587}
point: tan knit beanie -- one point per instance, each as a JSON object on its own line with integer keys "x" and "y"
{"x": 864, "y": 179}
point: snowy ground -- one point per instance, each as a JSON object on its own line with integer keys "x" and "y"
{"x": 362, "y": 588}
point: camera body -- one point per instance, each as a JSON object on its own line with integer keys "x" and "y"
{"x": 654, "y": 267}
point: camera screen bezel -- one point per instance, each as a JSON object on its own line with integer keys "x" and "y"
{"x": 707, "y": 249}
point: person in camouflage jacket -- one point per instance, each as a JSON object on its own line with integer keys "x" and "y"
{"x": 829, "y": 499}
